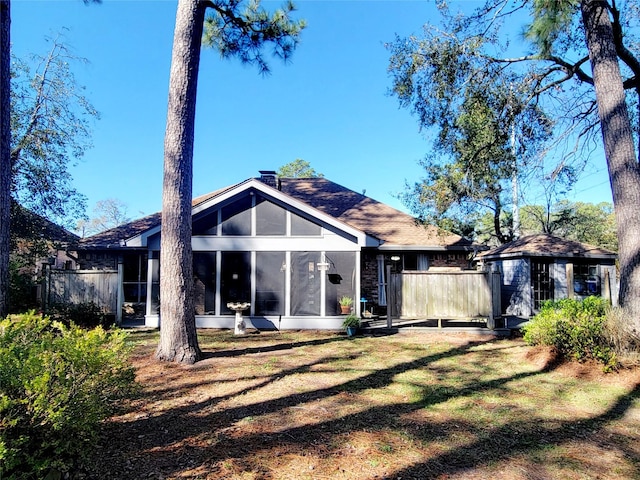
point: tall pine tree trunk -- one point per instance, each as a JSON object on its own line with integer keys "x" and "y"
{"x": 178, "y": 339}
{"x": 5, "y": 152}
{"x": 624, "y": 172}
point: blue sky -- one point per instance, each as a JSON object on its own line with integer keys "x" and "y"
{"x": 328, "y": 106}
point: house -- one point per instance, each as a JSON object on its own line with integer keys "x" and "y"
{"x": 290, "y": 247}
{"x": 37, "y": 246}
{"x": 543, "y": 267}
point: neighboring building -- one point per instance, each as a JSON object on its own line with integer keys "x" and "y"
{"x": 37, "y": 246}
{"x": 291, "y": 247}
{"x": 542, "y": 267}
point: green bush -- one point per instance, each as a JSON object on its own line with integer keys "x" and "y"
{"x": 57, "y": 383}
{"x": 87, "y": 315}
{"x": 575, "y": 328}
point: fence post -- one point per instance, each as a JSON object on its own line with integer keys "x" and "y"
{"x": 120, "y": 299}
{"x": 46, "y": 287}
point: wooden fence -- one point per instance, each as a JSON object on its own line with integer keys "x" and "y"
{"x": 83, "y": 286}
{"x": 445, "y": 295}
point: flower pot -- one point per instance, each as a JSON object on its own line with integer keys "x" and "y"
{"x": 351, "y": 331}
{"x": 345, "y": 309}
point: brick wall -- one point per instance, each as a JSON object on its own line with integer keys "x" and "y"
{"x": 98, "y": 260}
{"x": 369, "y": 274}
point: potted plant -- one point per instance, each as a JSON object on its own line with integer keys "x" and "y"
{"x": 351, "y": 324}
{"x": 345, "y": 304}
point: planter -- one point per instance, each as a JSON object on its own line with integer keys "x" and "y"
{"x": 351, "y": 331}
{"x": 345, "y": 309}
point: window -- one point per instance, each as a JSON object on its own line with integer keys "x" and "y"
{"x": 270, "y": 218}
{"x": 206, "y": 224}
{"x": 340, "y": 282}
{"x": 382, "y": 281}
{"x": 235, "y": 279}
{"x": 271, "y": 270}
{"x": 305, "y": 283}
{"x": 236, "y": 217}
{"x": 204, "y": 274}
{"x": 134, "y": 281}
{"x": 154, "y": 308}
{"x": 586, "y": 280}
{"x": 541, "y": 282}
{"x": 302, "y": 227}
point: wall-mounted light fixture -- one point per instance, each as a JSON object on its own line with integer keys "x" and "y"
{"x": 323, "y": 266}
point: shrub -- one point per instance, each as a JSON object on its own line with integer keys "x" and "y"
{"x": 57, "y": 383}
{"x": 574, "y": 328}
{"x": 624, "y": 340}
{"x": 87, "y": 315}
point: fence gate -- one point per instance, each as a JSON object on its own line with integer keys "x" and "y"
{"x": 445, "y": 295}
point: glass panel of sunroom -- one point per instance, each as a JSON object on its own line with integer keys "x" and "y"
{"x": 341, "y": 279}
{"x": 204, "y": 273}
{"x": 236, "y": 217}
{"x": 305, "y": 283}
{"x": 271, "y": 219}
{"x": 271, "y": 272}
{"x": 235, "y": 279}
{"x": 304, "y": 228}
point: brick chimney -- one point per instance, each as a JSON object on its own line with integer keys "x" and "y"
{"x": 269, "y": 177}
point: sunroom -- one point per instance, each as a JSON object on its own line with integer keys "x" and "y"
{"x": 253, "y": 244}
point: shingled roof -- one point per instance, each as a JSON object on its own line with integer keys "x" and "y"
{"x": 376, "y": 219}
{"x": 544, "y": 245}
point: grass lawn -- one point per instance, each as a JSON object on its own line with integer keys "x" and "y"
{"x": 317, "y": 405}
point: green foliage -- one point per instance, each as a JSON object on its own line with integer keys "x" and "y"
{"x": 242, "y": 29}
{"x": 550, "y": 19}
{"x": 298, "y": 169}
{"x": 57, "y": 383}
{"x": 351, "y": 321}
{"x": 487, "y": 128}
{"x": 50, "y": 130}
{"x": 21, "y": 284}
{"x": 590, "y": 223}
{"x": 86, "y": 315}
{"x": 575, "y": 328}
{"x": 345, "y": 301}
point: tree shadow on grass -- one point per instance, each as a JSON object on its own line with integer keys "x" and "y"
{"x": 528, "y": 438}
{"x": 285, "y": 345}
{"x": 200, "y": 436}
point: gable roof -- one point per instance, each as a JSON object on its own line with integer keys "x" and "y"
{"x": 393, "y": 228}
{"x": 544, "y": 245}
{"x": 26, "y": 224}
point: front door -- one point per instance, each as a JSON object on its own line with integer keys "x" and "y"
{"x": 541, "y": 282}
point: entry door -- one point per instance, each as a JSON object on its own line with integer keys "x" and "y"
{"x": 541, "y": 282}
